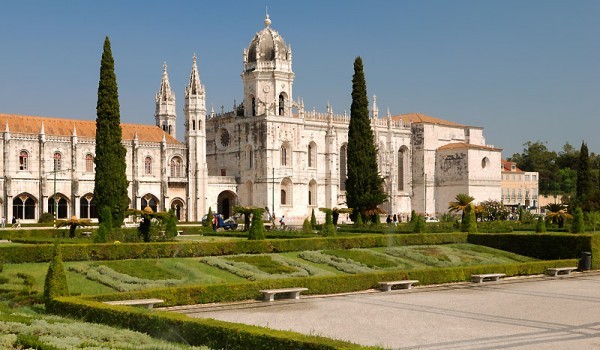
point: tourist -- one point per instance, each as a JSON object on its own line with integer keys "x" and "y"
{"x": 395, "y": 219}
{"x": 282, "y": 222}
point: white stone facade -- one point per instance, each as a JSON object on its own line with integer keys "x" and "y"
{"x": 268, "y": 152}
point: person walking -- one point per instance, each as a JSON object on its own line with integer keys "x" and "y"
{"x": 14, "y": 222}
{"x": 3, "y": 222}
{"x": 282, "y": 222}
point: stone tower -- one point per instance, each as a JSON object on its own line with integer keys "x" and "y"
{"x": 165, "y": 114}
{"x": 195, "y": 139}
{"x": 267, "y": 75}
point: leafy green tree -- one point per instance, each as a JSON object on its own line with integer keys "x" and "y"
{"x": 577, "y": 226}
{"x": 567, "y": 181}
{"x": 364, "y": 185}
{"x": 540, "y": 226}
{"x": 584, "y": 177}
{"x": 55, "y": 284}
{"x": 110, "y": 178}
{"x": 568, "y": 157}
{"x": 460, "y": 204}
{"x": 257, "y": 227}
{"x": 594, "y": 219}
{"x": 537, "y": 157}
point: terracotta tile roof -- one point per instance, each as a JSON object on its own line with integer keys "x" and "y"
{"x": 422, "y": 118}
{"x": 507, "y": 166}
{"x": 462, "y": 145}
{"x": 85, "y": 128}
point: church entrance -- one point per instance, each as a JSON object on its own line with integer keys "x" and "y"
{"x": 178, "y": 209}
{"x": 226, "y": 201}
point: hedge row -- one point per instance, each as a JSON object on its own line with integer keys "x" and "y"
{"x": 194, "y": 331}
{"x": 120, "y": 251}
{"x": 543, "y": 246}
{"x": 219, "y": 334}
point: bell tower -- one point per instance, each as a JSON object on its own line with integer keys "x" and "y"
{"x": 267, "y": 75}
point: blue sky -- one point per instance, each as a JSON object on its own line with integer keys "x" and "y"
{"x": 523, "y": 70}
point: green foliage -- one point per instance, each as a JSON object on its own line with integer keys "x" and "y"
{"x": 540, "y": 226}
{"x": 209, "y": 217}
{"x": 493, "y": 210}
{"x": 593, "y": 218}
{"x": 418, "y": 224}
{"x": 307, "y": 227}
{"x": 55, "y": 284}
{"x": 537, "y": 157}
{"x": 101, "y": 234}
{"x": 46, "y": 218}
{"x": 171, "y": 225}
{"x": 359, "y": 221}
{"x": 577, "y": 226}
{"x": 469, "y": 223}
{"x": 264, "y": 263}
{"x": 460, "y": 204}
{"x": 257, "y": 228}
{"x": 313, "y": 219}
{"x": 328, "y": 229}
{"x": 367, "y": 258}
{"x": 413, "y": 216}
{"x": 584, "y": 177}
{"x": 364, "y": 185}
{"x": 110, "y": 182}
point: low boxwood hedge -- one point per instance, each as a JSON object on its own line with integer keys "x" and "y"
{"x": 120, "y": 251}
{"x": 219, "y": 334}
{"x": 543, "y": 246}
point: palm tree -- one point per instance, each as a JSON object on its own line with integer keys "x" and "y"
{"x": 247, "y": 212}
{"x": 335, "y": 213}
{"x": 557, "y": 214}
{"x": 460, "y": 204}
{"x": 73, "y": 223}
{"x": 147, "y": 215}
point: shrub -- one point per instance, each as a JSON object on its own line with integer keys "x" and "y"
{"x": 328, "y": 229}
{"x": 307, "y": 228}
{"x": 577, "y": 225}
{"x": 469, "y": 222}
{"x": 359, "y": 221}
{"x": 171, "y": 226}
{"x": 209, "y": 218}
{"x": 418, "y": 224}
{"x": 540, "y": 226}
{"x": 55, "y": 284}
{"x": 46, "y": 218}
{"x": 257, "y": 228}
{"x": 313, "y": 219}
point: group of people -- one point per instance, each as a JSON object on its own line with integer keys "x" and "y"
{"x": 15, "y": 222}
{"x": 395, "y": 219}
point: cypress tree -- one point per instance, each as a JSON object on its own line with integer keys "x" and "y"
{"x": 257, "y": 228}
{"x": 55, "y": 284}
{"x": 419, "y": 224}
{"x": 313, "y": 219}
{"x": 111, "y": 184}
{"x": 171, "y": 226}
{"x": 364, "y": 186}
{"x": 540, "y": 226}
{"x": 584, "y": 176}
{"x": 328, "y": 229}
{"x": 209, "y": 218}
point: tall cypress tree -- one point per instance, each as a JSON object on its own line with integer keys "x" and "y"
{"x": 110, "y": 179}
{"x": 364, "y": 186}
{"x": 584, "y": 177}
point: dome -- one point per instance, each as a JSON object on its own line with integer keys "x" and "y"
{"x": 267, "y": 45}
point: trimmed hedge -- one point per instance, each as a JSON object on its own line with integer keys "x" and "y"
{"x": 195, "y": 331}
{"x": 121, "y": 251}
{"x": 543, "y": 246}
{"x": 219, "y": 334}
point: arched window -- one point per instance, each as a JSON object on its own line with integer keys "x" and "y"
{"x": 23, "y": 160}
{"x": 89, "y": 163}
{"x": 148, "y": 166}
{"x": 150, "y": 201}
{"x": 283, "y": 197}
{"x": 402, "y": 168}
{"x": 170, "y": 131}
{"x": 193, "y": 125}
{"x": 57, "y": 161}
{"x": 249, "y": 157}
{"x": 281, "y": 104}
{"x": 87, "y": 207}
{"x": 285, "y": 155}
{"x": 312, "y": 193}
{"x": 24, "y": 207}
{"x": 286, "y": 192}
{"x": 253, "y": 106}
{"x": 312, "y": 155}
{"x": 175, "y": 167}
{"x": 61, "y": 204}
{"x": 343, "y": 170}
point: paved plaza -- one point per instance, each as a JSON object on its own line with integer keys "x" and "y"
{"x": 519, "y": 313}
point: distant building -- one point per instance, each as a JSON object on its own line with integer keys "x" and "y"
{"x": 519, "y": 188}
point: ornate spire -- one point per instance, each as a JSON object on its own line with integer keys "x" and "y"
{"x": 165, "y": 87}
{"x": 74, "y": 130}
{"x": 42, "y": 130}
{"x": 375, "y": 109}
{"x": 194, "y": 87}
{"x": 267, "y": 21}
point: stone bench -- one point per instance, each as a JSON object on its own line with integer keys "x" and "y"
{"x": 555, "y": 271}
{"x": 404, "y": 284}
{"x": 293, "y": 293}
{"x": 487, "y": 277}
{"x": 148, "y": 303}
